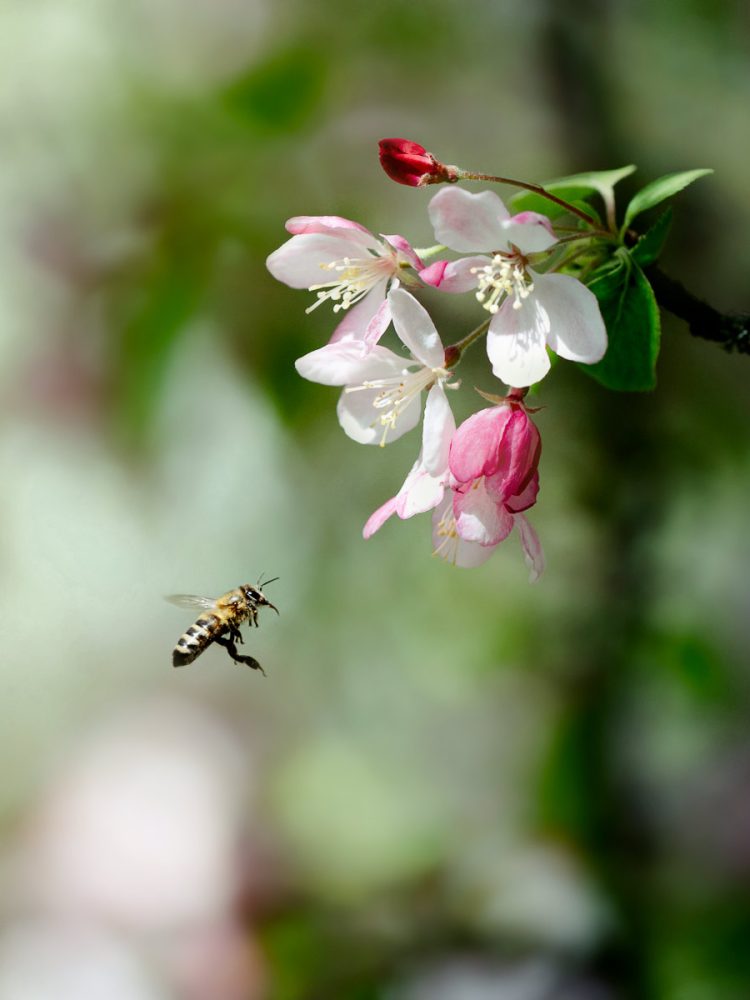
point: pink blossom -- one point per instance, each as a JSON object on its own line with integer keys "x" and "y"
{"x": 494, "y": 477}
{"x": 343, "y": 263}
{"x": 382, "y": 390}
{"x": 530, "y": 311}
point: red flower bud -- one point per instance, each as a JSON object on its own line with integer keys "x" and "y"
{"x": 409, "y": 163}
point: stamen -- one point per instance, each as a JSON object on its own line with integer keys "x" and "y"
{"x": 502, "y": 277}
{"x": 446, "y": 529}
{"x": 356, "y": 277}
{"x": 397, "y": 392}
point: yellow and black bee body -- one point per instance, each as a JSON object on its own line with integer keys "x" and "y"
{"x": 220, "y": 622}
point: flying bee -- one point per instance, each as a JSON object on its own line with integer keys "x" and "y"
{"x": 219, "y": 621}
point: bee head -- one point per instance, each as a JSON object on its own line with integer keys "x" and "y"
{"x": 256, "y": 595}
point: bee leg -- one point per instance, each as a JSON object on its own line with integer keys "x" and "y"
{"x": 236, "y": 636}
{"x": 228, "y": 643}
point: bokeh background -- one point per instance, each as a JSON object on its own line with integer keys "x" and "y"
{"x": 451, "y": 785}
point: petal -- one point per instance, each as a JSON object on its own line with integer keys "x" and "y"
{"x": 424, "y": 493}
{"x": 529, "y": 231}
{"x": 356, "y": 322}
{"x": 464, "y": 221}
{"x": 479, "y": 518}
{"x": 437, "y": 431}
{"x": 453, "y": 276}
{"x": 377, "y": 519}
{"x": 517, "y": 458}
{"x": 379, "y": 322}
{"x": 575, "y": 326}
{"x": 361, "y": 420}
{"x": 300, "y": 261}
{"x": 334, "y": 225}
{"x": 532, "y": 548}
{"x": 475, "y": 445}
{"x": 526, "y": 498}
{"x": 404, "y": 247}
{"x": 416, "y": 329}
{"x": 449, "y": 546}
{"x": 348, "y": 362}
{"x": 516, "y": 343}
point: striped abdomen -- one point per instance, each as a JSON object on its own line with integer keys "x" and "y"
{"x": 196, "y": 639}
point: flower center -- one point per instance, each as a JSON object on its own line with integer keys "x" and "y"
{"x": 502, "y": 276}
{"x": 355, "y": 276}
{"x": 397, "y": 392}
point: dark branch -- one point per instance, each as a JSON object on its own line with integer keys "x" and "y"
{"x": 732, "y": 331}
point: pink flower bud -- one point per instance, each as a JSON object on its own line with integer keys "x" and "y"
{"x": 500, "y": 445}
{"x": 409, "y": 163}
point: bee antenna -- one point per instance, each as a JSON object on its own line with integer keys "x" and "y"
{"x": 273, "y": 579}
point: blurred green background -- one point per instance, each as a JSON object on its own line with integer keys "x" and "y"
{"x": 451, "y": 785}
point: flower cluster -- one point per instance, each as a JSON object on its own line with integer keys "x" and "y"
{"x": 479, "y": 478}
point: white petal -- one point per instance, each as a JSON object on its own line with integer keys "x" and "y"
{"x": 530, "y": 232}
{"x": 424, "y": 493}
{"x": 299, "y": 261}
{"x": 479, "y": 517}
{"x": 348, "y": 362}
{"x": 532, "y": 548}
{"x": 415, "y": 328}
{"x": 437, "y": 431}
{"x": 361, "y": 421}
{"x": 576, "y": 328}
{"x": 516, "y": 343}
{"x": 464, "y": 221}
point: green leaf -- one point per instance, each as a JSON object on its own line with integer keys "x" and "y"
{"x": 659, "y": 190}
{"x": 631, "y": 315}
{"x": 650, "y": 245}
{"x": 595, "y": 180}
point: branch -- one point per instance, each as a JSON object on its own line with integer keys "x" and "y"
{"x": 732, "y": 331}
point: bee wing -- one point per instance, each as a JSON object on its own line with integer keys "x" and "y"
{"x": 191, "y": 601}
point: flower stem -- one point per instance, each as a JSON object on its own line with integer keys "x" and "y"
{"x": 468, "y": 175}
{"x": 454, "y": 351}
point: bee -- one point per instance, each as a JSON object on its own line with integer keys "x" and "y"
{"x": 219, "y": 622}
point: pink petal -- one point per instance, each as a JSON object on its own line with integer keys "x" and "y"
{"x": 475, "y": 446}
{"x": 516, "y": 343}
{"x": 575, "y": 328}
{"x": 517, "y": 458}
{"x": 415, "y": 328}
{"x": 453, "y": 276}
{"x": 479, "y": 518}
{"x": 526, "y": 498}
{"x": 437, "y": 431}
{"x": 530, "y": 232}
{"x": 405, "y": 248}
{"x": 377, "y": 519}
{"x": 334, "y": 225}
{"x": 532, "y": 548}
{"x": 358, "y": 320}
{"x": 299, "y": 262}
{"x": 348, "y": 362}
{"x": 464, "y": 221}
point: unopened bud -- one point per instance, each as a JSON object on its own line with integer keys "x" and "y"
{"x": 409, "y": 163}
